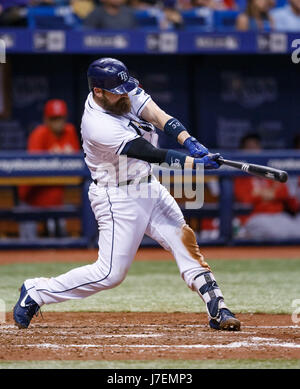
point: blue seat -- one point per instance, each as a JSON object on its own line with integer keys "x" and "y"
{"x": 225, "y": 20}
{"x": 281, "y": 3}
{"x": 37, "y": 16}
{"x": 198, "y": 19}
{"x": 242, "y": 4}
{"x": 48, "y": 17}
{"x": 148, "y": 18}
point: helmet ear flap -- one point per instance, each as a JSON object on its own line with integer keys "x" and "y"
{"x": 90, "y": 84}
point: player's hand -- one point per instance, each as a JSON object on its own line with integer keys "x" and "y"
{"x": 196, "y": 149}
{"x": 210, "y": 161}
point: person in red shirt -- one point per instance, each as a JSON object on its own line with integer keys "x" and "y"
{"x": 274, "y": 209}
{"x": 55, "y": 135}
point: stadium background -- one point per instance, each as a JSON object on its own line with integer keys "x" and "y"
{"x": 221, "y": 84}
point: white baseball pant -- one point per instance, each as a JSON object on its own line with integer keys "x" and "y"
{"x": 123, "y": 220}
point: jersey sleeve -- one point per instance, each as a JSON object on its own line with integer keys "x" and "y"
{"x": 139, "y": 100}
{"x": 112, "y": 135}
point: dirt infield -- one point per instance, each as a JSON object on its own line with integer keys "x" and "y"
{"x": 153, "y": 254}
{"x": 147, "y": 336}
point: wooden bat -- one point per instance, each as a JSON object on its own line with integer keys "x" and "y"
{"x": 257, "y": 170}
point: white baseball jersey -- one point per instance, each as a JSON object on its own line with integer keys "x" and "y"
{"x": 104, "y": 136}
{"x": 122, "y": 218}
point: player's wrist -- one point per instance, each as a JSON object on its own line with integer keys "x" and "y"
{"x": 174, "y": 128}
{"x": 175, "y": 159}
{"x": 189, "y": 163}
{"x": 182, "y": 137}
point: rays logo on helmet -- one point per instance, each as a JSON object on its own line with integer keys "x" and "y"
{"x": 123, "y": 75}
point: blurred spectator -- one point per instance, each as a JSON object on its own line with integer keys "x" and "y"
{"x": 166, "y": 12}
{"x": 201, "y": 14}
{"x": 214, "y": 4}
{"x": 203, "y": 11}
{"x": 184, "y": 4}
{"x": 231, "y": 4}
{"x": 256, "y": 16}
{"x": 287, "y": 18}
{"x": 251, "y": 143}
{"x": 144, "y": 9}
{"x": 143, "y": 4}
{"x": 172, "y": 18}
{"x": 82, "y": 8}
{"x": 58, "y": 2}
{"x": 76, "y": 12}
{"x": 274, "y": 214}
{"x": 13, "y": 12}
{"x": 54, "y": 136}
{"x": 50, "y": 2}
{"x": 111, "y": 14}
{"x": 211, "y": 4}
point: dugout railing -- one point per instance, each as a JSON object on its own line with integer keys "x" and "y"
{"x": 19, "y": 168}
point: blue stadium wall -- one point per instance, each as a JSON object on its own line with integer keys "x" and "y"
{"x": 218, "y": 97}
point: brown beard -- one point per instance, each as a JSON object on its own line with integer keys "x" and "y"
{"x": 121, "y": 107}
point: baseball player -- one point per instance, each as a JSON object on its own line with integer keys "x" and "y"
{"x": 120, "y": 121}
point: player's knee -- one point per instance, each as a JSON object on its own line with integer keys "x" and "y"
{"x": 116, "y": 276}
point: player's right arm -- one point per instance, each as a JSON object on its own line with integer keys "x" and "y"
{"x": 140, "y": 148}
{"x": 152, "y": 113}
{"x": 119, "y": 139}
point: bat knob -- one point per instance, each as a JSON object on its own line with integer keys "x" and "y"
{"x": 283, "y": 176}
{"x": 219, "y": 158}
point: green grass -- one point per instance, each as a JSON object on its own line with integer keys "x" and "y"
{"x": 249, "y": 286}
{"x": 156, "y": 364}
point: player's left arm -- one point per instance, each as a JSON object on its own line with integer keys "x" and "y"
{"x": 152, "y": 113}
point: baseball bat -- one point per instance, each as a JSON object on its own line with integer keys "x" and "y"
{"x": 257, "y": 170}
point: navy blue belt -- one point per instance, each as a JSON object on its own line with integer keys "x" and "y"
{"x": 142, "y": 180}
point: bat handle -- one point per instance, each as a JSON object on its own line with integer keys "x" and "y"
{"x": 220, "y": 160}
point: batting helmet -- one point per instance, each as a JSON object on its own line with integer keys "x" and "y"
{"x": 111, "y": 75}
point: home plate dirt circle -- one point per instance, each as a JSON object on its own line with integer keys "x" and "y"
{"x": 147, "y": 336}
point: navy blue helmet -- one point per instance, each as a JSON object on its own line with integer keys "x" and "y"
{"x": 111, "y": 75}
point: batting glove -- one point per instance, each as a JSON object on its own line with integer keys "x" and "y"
{"x": 196, "y": 149}
{"x": 210, "y": 161}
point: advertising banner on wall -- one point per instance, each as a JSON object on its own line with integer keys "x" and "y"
{"x": 247, "y": 95}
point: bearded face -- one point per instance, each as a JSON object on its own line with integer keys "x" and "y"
{"x": 119, "y": 107}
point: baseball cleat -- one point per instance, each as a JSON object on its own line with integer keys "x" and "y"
{"x": 25, "y": 309}
{"x": 226, "y": 321}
